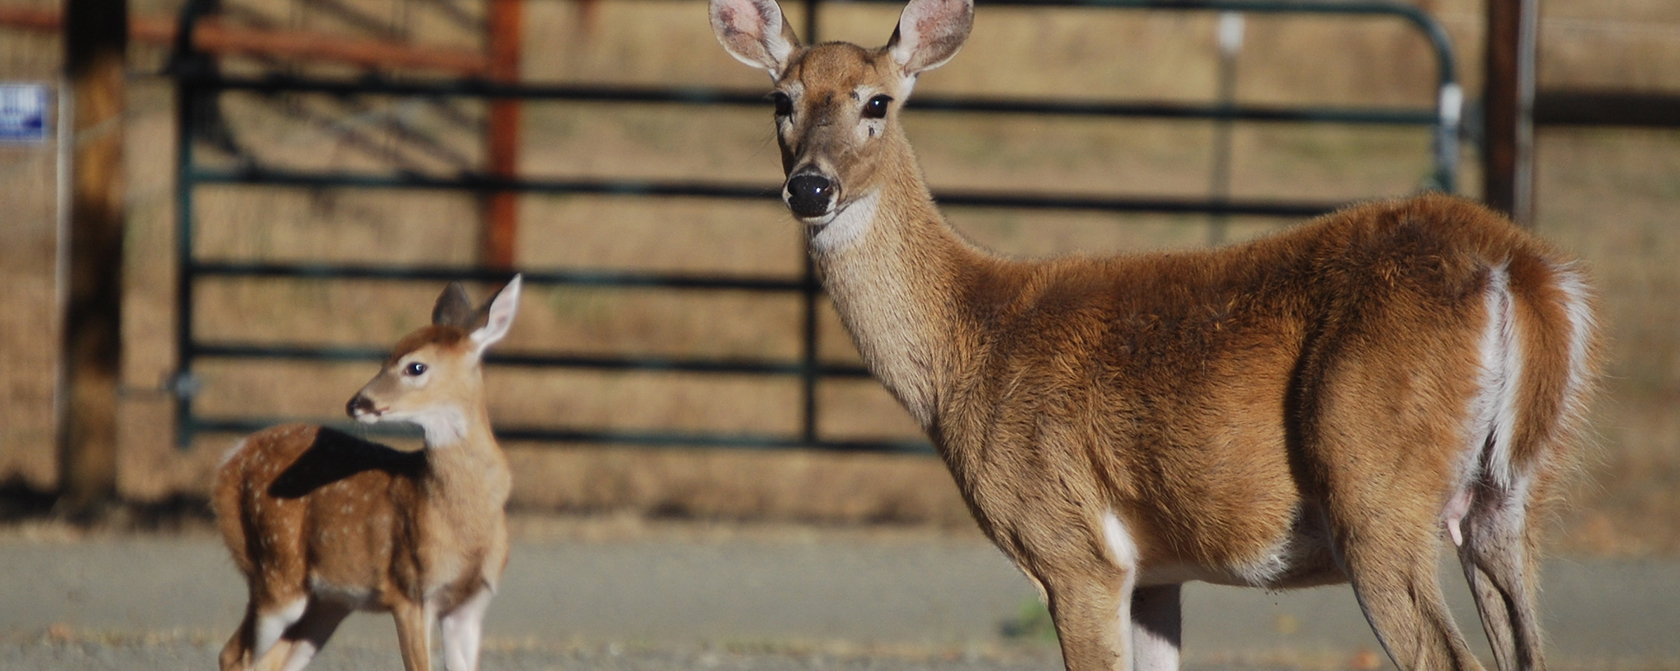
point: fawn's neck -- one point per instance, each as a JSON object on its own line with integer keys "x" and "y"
{"x": 465, "y": 462}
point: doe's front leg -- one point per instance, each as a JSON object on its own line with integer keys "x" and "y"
{"x": 1093, "y": 621}
{"x": 1089, "y": 583}
{"x": 1157, "y": 628}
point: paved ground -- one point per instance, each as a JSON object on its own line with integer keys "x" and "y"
{"x": 839, "y": 601}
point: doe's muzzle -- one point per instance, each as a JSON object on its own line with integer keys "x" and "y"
{"x": 809, "y": 195}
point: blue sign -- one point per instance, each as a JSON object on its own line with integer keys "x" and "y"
{"x": 23, "y": 112}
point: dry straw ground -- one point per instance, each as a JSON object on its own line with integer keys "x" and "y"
{"x": 1608, "y": 195}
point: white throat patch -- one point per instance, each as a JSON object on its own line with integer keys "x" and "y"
{"x": 443, "y": 426}
{"x": 847, "y": 225}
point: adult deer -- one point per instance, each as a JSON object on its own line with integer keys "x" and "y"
{"x": 1315, "y": 407}
{"x": 323, "y": 524}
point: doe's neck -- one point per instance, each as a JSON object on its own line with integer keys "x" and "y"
{"x": 895, "y": 271}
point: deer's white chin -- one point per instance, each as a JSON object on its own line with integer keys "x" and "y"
{"x": 819, "y": 223}
{"x": 443, "y": 425}
{"x": 844, "y": 224}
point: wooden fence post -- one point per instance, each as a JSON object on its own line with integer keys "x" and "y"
{"x": 1508, "y": 109}
{"x": 501, "y": 208}
{"x": 95, "y": 44}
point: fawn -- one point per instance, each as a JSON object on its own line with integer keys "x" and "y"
{"x": 322, "y": 523}
{"x": 1316, "y": 407}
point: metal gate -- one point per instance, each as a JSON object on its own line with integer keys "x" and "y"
{"x": 198, "y": 84}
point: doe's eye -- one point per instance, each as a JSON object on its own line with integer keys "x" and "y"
{"x": 784, "y": 104}
{"x": 876, "y": 108}
{"x": 414, "y": 368}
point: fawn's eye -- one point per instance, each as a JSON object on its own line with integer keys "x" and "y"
{"x": 784, "y": 104}
{"x": 414, "y": 368}
{"x": 876, "y": 108}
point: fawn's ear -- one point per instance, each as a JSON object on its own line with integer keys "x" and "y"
{"x": 498, "y": 315}
{"x": 754, "y": 32}
{"x": 454, "y": 308}
{"x": 929, "y": 33}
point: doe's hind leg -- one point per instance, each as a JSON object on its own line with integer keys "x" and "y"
{"x": 1391, "y": 561}
{"x": 1501, "y": 571}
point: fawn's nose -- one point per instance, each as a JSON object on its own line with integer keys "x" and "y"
{"x": 358, "y": 406}
{"x": 809, "y": 195}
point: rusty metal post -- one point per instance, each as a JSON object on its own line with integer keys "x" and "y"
{"x": 1508, "y": 109}
{"x": 95, "y": 45}
{"x": 501, "y": 208}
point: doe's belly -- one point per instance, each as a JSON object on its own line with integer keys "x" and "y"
{"x": 1299, "y": 557}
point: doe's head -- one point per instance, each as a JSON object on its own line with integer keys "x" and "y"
{"x": 434, "y": 376}
{"x": 837, "y": 104}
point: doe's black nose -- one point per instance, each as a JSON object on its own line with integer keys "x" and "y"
{"x": 808, "y": 195}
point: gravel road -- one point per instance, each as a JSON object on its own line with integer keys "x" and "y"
{"x": 808, "y": 600}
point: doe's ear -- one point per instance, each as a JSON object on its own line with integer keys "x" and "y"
{"x": 498, "y": 315}
{"x": 754, "y": 32}
{"x": 453, "y": 307}
{"x": 929, "y": 33}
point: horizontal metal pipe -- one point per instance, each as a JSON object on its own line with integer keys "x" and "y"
{"x": 1586, "y": 107}
{"x": 533, "y": 277}
{"x": 665, "y": 439}
{"x": 643, "y": 363}
{"x": 220, "y": 37}
{"x": 475, "y": 181}
{"x": 379, "y": 85}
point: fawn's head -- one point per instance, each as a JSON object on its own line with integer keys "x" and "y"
{"x": 434, "y": 376}
{"x": 837, "y": 104}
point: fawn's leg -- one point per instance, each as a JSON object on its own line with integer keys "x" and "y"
{"x": 462, "y": 629}
{"x": 414, "y": 634}
{"x": 236, "y": 655}
{"x": 271, "y": 624}
{"x": 299, "y": 643}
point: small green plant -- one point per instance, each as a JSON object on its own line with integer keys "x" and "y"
{"x": 1031, "y": 623}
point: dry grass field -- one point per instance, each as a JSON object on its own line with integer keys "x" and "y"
{"x": 1608, "y": 195}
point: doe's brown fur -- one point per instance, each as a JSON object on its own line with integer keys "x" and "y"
{"x": 1319, "y": 406}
